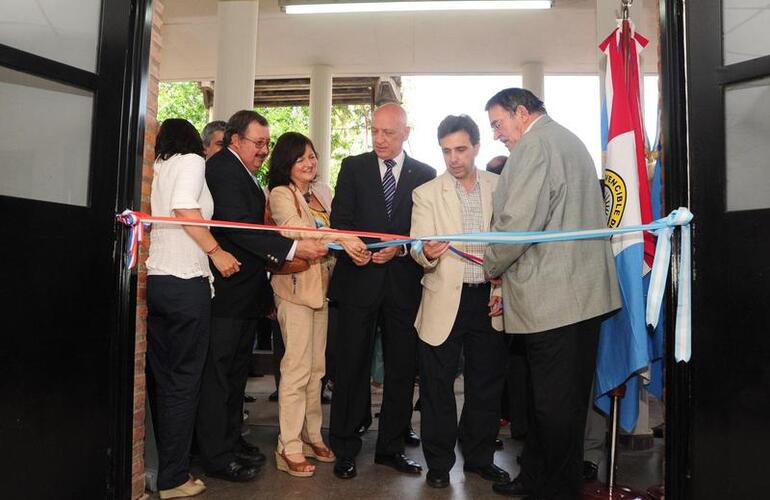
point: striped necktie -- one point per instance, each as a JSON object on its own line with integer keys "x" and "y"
{"x": 389, "y": 186}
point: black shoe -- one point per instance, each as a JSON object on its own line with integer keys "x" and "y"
{"x": 513, "y": 488}
{"x": 400, "y": 462}
{"x": 273, "y": 396}
{"x": 251, "y": 459}
{"x": 345, "y": 468}
{"x": 248, "y": 398}
{"x": 590, "y": 471}
{"x": 489, "y": 472}
{"x": 437, "y": 479}
{"x": 411, "y": 438}
{"x": 499, "y": 444}
{"x": 234, "y": 471}
{"x": 246, "y": 448}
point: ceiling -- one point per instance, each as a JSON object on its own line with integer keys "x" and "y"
{"x": 563, "y": 38}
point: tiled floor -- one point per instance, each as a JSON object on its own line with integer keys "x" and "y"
{"x": 638, "y": 469}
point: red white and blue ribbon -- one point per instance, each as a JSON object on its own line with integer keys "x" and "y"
{"x": 664, "y": 229}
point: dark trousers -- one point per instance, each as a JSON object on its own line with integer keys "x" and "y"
{"x": 515, "y": 400}
{"x": 353, "y": 359}
{"x": 484, "y": 366}
{"x": 224, "y": 380}
{"x": 561, "y": 364}
{"x": 178, "y": 319}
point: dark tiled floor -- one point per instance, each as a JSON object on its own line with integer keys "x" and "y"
{"x": 638, "y": 469}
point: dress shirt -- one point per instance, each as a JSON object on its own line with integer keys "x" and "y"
{"x": 470, "y": 209}
{"x": 532, "y": 123}
{"x": 290, "y": 255}
{"x": 178, "y": 183}
{"x": 399, "y": 159}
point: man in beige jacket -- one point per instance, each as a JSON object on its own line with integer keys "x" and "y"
{"x": 458, "y": 312}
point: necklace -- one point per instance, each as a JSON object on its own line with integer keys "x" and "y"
{"x": 308, "y": 196}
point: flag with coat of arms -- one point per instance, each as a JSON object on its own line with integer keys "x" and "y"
{"x": 624, "y": 345}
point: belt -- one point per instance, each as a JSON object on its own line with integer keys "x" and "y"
{"x": 476, "y": 285}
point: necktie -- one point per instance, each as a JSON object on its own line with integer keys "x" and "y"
{"x": 389, "y": 186}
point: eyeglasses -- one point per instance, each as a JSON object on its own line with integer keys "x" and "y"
{"x": 497, "y": 124}
{"x": 262, "y": 143}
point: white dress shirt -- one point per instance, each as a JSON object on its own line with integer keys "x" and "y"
{"x": 399, "y": 159}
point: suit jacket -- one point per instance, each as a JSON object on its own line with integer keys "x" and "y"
{"x": 237, "y": 198}
{"x": 437, "y": 211}
{"x": 307, "y": 288}
{"x": 549, "y": 183}
{"x": 359, "y": 204}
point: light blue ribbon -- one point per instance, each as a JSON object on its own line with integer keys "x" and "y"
{"x": 663, "y": 228}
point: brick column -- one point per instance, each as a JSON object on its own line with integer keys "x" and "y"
{"x": 151, "y": 130}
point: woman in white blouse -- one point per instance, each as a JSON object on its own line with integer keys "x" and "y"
{"x": 178, "y": 300}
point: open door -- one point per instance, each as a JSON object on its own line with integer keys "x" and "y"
{"x": 71, "y": 80}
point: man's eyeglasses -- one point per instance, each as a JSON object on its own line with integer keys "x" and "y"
{"x": 262, "y": 143}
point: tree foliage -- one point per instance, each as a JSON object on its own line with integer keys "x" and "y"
{"x": 182, "y": 100}
{"x": 349, "y": 122}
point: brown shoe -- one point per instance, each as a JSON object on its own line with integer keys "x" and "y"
{"x": 189, "y": 489}
{"x": 296, "y": 469}
{"x": 318, "y": 451}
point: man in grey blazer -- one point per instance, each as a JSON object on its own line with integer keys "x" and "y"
{"x": 555, "y": 294}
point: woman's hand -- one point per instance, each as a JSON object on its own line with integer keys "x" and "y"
{"x": 356, "y": 249}
{"x": 225, "y": 263}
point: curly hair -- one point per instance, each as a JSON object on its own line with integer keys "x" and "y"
{"x": 177, "y": 136}
{"x": 288, "y": 148}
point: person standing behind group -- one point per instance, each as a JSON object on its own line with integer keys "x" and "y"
{"x": 239, "y": 300}
{"x": 555, "y": 293}
{"x": 213, "y": 137}
{"x": 374, "y": 193}
{"x": 297, "y": 200}
{"x": 458, "y": 312}
{"x": 179, "y": 300}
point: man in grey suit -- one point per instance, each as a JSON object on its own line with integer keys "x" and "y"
{"x": 555, "y": 294}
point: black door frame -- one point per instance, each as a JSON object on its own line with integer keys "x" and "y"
{"x": 676, "y": 194}
{"x": 136, "y": 81}
{"x": 124, "y": 40}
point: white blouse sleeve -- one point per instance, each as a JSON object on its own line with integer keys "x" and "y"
{"x": 189, "y": 182}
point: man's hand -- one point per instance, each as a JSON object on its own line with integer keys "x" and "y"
{"x": 310, "y": 250}
{"x": 384, "y": 255}
{"x": 356, "y": 250}
{"x": 435, "y": 249}
{"x": 493, "y": 281}
{"x": 495, "y": 305}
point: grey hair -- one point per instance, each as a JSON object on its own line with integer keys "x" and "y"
{"x": 209, "y": 130}
{"x": 510, "y": 99}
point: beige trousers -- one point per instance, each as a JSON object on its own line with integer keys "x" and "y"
{"x": 303, "y": 365}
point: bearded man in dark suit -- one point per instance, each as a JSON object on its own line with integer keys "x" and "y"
{"x": 374, "y": 193}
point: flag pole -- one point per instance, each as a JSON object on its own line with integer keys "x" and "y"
{"x": 596, "y": 490}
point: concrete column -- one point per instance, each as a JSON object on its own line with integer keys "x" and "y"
{"x": 236, "y": 56}
{"x": 321, "y": 117}
{"x": 533, "y": 78}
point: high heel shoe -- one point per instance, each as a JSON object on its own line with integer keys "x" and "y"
{"x": 320, "y": 453}
{"x": 296, "y": 469}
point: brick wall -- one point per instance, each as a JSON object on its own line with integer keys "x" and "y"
{"x": 151, "y": 129}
